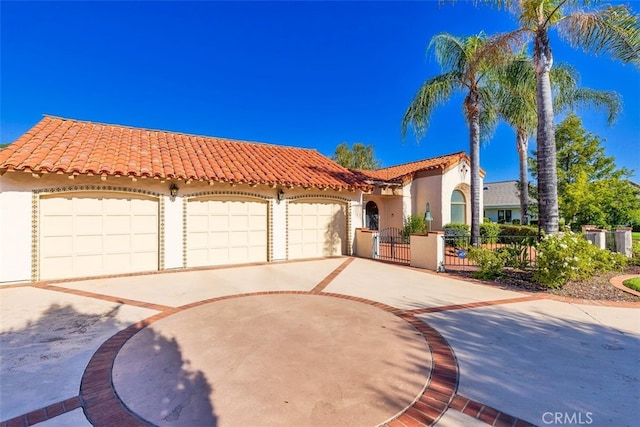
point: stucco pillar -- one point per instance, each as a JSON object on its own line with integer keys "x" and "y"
{"x": 364, "y": 242}
{"x": 173, "y": 232}
{"x": 623, "y": 241}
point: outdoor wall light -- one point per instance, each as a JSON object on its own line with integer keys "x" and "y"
{"x": 173, "y": 191}
{"x": 280, "y": 194}
{"x": 427, "y": 217}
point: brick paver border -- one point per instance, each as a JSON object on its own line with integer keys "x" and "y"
{"x": 102, "y": 406}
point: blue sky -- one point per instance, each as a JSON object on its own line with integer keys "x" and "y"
{"x": 305, "y": 74}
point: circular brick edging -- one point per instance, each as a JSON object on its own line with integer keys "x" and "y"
{"x": 103, "y": 406}
{"x": 617, "y": 282}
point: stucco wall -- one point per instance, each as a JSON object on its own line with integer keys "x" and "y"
{"x": 16, "y": 196}
{"x": 452, "y": 180}
{"x": 427, "y": 190}
{"x": 390, "y": 210}
{"x": 15, "y": 234}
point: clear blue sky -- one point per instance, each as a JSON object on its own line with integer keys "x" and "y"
{"x": 306, "y": 74}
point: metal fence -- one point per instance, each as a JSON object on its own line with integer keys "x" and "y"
{"x": 519, "y": 251}
{"x": 392, "y": 245}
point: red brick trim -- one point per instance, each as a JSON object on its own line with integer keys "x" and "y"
{"x": 327, "y": 280}
{"x": 617, "y": 282}
{"x": 169, "y": 270}
{"x": 103, "y": 297}
{"x": 103, "y": 407}
{"x": 475, "y": 304}
{"x": 486, "y": 414}
{"x": 43, "y": 414}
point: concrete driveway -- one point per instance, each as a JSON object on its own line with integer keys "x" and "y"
{"x": 340, "y": 341}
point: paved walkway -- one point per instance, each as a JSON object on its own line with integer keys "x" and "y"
{"x": 338, "y": 341}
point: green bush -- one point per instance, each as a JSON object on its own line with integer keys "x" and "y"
{"x": 456, "y": 234}
{"x": 489, "y": 232}
{"x": 524, "y": 234}
{"x": 413, "y": 225}
{"x": 517, "y": 255}
{"x": 635, "y": 252}
{"x": 570, "y": 256}
{"x": 490, "y": 262}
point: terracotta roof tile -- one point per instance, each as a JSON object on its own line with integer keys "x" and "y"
{"x": 79, "y": 147}
{"x": 402, "y": 172}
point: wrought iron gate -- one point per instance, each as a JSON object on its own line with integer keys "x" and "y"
{"x": 392, "y": 245}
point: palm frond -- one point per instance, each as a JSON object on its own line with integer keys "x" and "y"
{"x": 434, "y": 92}
{"x": 614, "y": 31}
{"x": 598, "y": 99}
{"x": 449, "y": 51}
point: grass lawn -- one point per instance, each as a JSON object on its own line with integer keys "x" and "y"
{"x": 633, "y": 283}
{"x": 635, "y": 236}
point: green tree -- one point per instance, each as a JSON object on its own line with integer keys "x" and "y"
{"x": 358, "y": 156}
{"x": 517, "y": 106}
{"x": 467, "y": 64}
{"x": 613, "y": 30}
{"x": 591, "y": 189}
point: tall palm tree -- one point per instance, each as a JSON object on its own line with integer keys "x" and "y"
{"x": 613, "y": 30}
{"x": 466, "y": 63}
{"x": 516, "y": 103}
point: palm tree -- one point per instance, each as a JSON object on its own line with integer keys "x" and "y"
{"x": 467, "y": 63}
{"x": 613, "y": 30}
{"x": 517, "y": 106}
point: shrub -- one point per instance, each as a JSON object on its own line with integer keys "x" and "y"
{"x": 456, "y": 234}
{"x": 635, "y": 252}
{"x": 516, "y": 255}
{"x": 413, "y": 225}
{"x": 525, "y": 234}
{"x": 490, "y": 262}
{"x": 486, "y": 220}
{"x": 489, "y": 232}
{"x": 569, "y": 256}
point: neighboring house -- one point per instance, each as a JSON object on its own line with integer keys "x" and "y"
{"x": 443, "y": 183}
{"x": 83, "y": 199}
{"x": 502, "y": 202}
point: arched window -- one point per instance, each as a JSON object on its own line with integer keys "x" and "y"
{"x": 371, "y": 219}
{"x": 458, "y": 207}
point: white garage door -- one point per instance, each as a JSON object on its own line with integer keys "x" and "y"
{"x": 316, "y": 229}
{"x": 89, "y": 234}
{"x": 231, "y": 231}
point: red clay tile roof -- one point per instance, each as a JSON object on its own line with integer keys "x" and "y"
{"x": 402, "y": 172}
{"x": 58, "y": 145}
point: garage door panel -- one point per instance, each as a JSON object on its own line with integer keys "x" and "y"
{"x": 88, "y": 244}
{"x": 145, "y": 224}
{"x": 98, "y": 234}
{"x": 218, "y": 239}
{"x": 198, "y": 223}
{"x": 236, "y": 231}
{"x": 88, "y": 224}
{"x": 57, "y": 246}
{"x": 119, "y": 224}
{"x": 143, "y": 243}
{"x": 62, "y": 263}
{"x": 316, "y": 228}
{"x": 88, "y": 265}
{"x": 56, "y": 225}
{"x": 238, "y": 222}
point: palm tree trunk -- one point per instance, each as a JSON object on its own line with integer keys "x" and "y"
{"x": 523, "y": 146}
{"x": 472, "y": 106}
{"x": 546, "y": 150}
